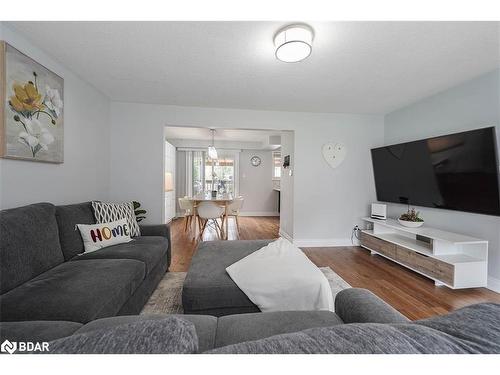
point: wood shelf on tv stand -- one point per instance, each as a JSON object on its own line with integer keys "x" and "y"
{"x": 451, "y": 259}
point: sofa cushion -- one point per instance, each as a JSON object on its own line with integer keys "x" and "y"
{"x": 205, "y": 325}
{"x": 30, "y": 244}
{"x": 149, "y": 250}
{"x": 168, "y": 335}
{"x": 37, "y": 330}
{"x": 208, "y": 289}
{"x": 233, "y": 329}
{"x": 357, "y": 338}
{"x": 473, "y": 329}
{"x": 477, "y": 325}
{"x": 67, "y": 217}
{"x": 75, "y": 291}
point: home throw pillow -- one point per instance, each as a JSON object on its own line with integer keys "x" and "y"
{"x": 106, "y": 212}
{"x": 97, "y": 236}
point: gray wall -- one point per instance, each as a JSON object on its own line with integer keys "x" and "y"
{"x": 256, "y": 184}
{"x": 84, "y": 175}
{"x": 473, "y": 104}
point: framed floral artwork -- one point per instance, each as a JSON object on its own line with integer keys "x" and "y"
{"x": 31, "y": 109}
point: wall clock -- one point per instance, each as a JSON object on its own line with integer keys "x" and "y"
{"x": 255, "y": 161}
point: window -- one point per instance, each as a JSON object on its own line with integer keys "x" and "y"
{"x": 223, "y": 174}
{"x": 276, "y": 165}
{"x": 224, "y": 177}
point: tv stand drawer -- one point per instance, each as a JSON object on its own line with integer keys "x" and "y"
{"x": 378, "y": 245}
{"x": 427, "y": 265}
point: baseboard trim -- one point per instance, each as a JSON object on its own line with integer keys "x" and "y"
{"x": 323, "y": 242}
{"x": 493, "y": 284}
{"x": 259, "y": 213}
{"x": 285, "y": 235}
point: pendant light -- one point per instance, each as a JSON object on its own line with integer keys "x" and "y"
{"x": 212, "y": 152}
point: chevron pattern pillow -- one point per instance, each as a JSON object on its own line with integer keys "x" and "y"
{"x": 107, "y": 212}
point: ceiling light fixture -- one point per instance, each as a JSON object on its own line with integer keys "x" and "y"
{"x": 293, "y": 43}
{"x": 212, "y": 152}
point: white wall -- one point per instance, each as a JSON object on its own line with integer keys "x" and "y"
{"x": 170, "y": 196}
{"x": 256, "y": 184}
{"x": 473, "y": 104}
{"x": 287, "y": 186}
{"x": 84, "y": 175}
{"x": 327, "y": 203}
{"x": 180, "y": 179}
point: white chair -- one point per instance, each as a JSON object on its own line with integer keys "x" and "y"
{"x": 234, "y": 210}
{"x": 186, "y": 204}
{"x": 209, "y": 212}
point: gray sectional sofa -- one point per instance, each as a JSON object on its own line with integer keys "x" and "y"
{"x": 362, "y": 324}
{"x": 83, "y": 303}
{"x": 216, "y": 332}
{"x": 45, "y": 277}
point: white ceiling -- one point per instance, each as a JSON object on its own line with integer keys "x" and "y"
{"x": 355, "y": 67}
{"x": 224, "y": 138}
{"x": 233, "y": 135}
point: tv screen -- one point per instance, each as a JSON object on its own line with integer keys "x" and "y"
{"x": 454, "y": 172}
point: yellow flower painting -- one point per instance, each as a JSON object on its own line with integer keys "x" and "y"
{"x": 26, "y": 98}
{"x": 32, "y": 109}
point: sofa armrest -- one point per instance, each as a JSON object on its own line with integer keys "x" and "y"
{"x": 356, "y": 305}
{"x": 162, "y": 230}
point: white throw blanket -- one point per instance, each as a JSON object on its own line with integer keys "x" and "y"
{"x": 280, "y": 277}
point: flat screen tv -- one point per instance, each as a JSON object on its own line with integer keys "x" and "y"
{"x": 454, "y": 172}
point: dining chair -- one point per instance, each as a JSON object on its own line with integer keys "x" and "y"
{"x": 186, "y": 205}
{"x": 209, "y": 212}
{"x": 234, "y": 210}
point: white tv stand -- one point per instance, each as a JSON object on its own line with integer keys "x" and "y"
{"x": 450, "y": 259}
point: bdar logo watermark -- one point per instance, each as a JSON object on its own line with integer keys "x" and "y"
{"x": 23, "y": 346}
{"x": 8, "y": 347}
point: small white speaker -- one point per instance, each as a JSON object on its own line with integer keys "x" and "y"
{"x": 379, "y": 211}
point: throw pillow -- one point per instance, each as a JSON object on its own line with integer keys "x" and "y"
{"x": 106, "y": 212}
{"x": 97, "y": 236}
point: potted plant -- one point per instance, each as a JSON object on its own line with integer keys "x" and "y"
{"x": 140, "y": 214}
{"x": 411, "y": 219}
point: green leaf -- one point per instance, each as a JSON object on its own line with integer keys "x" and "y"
{"x": 37, "y": 148}
{"x": 140, "y": 212}
{"x": 136, "y": 205}
{"x": 140, "y": 218}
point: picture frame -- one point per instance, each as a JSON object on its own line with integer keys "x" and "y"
{"x": 31, "y": 109}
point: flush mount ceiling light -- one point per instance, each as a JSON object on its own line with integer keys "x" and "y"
{"x": 293, "y": 43}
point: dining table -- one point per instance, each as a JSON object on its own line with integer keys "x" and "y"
{"x": 223, "y": 200}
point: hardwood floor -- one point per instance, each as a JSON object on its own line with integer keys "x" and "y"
{"x": 412, "y": 294}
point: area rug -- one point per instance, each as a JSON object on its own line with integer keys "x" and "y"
{"x": 167, "y": 298}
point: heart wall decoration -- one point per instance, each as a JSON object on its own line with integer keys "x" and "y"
{"x": 334, "y": 153}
